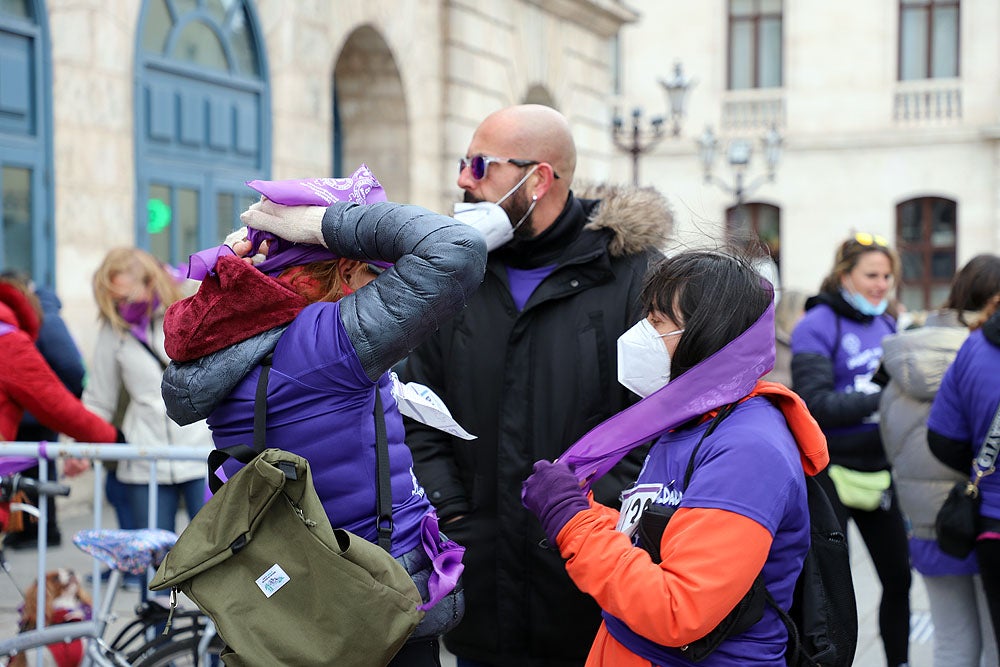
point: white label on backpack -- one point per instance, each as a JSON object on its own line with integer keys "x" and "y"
{"x": 272, "y": 580}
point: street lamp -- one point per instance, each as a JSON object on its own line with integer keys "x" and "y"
{"x": 677, "y": 88}
{"x": 738, "y": 153}
{"x": 637, "y": 140}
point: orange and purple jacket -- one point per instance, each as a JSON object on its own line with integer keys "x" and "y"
{"x": 710, "y": 556}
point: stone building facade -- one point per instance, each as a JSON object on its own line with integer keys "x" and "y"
{"x": 887, "y": 112}
{"x": 136, "y": 121}
{"x": 142, "y": 118}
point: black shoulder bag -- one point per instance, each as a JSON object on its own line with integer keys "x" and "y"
{"x": 958, "y": 521}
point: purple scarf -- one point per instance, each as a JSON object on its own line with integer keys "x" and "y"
{"x": 139, "y": 316}
{"x": 361, "y": 188}
{"x": 726, "y": 376}
{"x": 446, "y": 560}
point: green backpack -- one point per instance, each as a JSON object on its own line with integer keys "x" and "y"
{"x": 282, "y": 586}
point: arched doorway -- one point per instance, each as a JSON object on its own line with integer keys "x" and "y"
{"x": 370, "y": 118}
{"x": 27, "y": 241}
{"x": 927, "y": 237}
{"x": 202, "y": 122}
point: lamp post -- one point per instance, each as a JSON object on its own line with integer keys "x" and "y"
{"x": 637, "y": 140}
{"x": 738, "y": 153}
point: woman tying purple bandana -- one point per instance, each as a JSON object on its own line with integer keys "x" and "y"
{"x": 345, "y": 292}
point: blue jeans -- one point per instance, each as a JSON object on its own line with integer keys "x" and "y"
{"x": 167, "y": 501}
{"x": 119, "y": 496}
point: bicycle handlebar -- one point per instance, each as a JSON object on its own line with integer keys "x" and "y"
{"x": 11, "y": 484}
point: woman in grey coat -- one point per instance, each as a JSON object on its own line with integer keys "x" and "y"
{"x": 915, "y": 361}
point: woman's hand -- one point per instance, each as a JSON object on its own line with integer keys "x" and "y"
{"x": 298, "y": 224}
{"x": 552, "y": 492}
{"x": 241, "y": 245}
{"x": 73, "y": 467}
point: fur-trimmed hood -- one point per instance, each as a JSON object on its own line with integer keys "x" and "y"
{"x": 640, "y": 218}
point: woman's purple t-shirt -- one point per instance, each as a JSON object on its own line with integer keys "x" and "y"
{"x": 855, "y": 355}
{"x": 751, "y": 466}
{"x": 966, "y": 403}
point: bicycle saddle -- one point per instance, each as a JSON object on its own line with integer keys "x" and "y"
{"x": 131, "y": 551}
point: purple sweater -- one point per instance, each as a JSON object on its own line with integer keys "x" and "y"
{"x": 320, "y": 406}
{"x": 966, "y": 403}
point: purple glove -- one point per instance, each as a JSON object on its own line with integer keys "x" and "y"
{"x": 552, "y": 492}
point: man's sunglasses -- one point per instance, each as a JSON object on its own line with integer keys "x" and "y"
{"x": 866, "y": 239}
{"x": 477, "y": 164}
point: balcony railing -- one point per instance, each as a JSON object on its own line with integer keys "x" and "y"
{"x": 752, "y": 112}
{"x": 927, "y": 103}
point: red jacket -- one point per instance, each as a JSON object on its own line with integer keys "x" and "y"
{"x": 27, "y": 382}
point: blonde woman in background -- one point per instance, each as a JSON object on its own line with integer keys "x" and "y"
{"x": 836, "y": 350}
{"x": 133, "y": 289}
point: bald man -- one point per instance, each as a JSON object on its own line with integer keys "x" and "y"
{"x": 529, "y": 366}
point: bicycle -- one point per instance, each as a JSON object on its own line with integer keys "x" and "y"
{"x": 191, "y": 638}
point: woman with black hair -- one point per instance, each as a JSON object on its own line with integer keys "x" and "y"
{"x": 962, "y": 434}
{"x": 836, "y": 351}
{"x": 727, "y": 468}
{"x": 916, "y": 361}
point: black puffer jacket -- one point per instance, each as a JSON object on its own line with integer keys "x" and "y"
{"x": 529, "y": 384}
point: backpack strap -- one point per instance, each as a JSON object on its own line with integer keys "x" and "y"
{"x": 724, "y": 412}
{"x": 384, "y": 487}
{"x": 244, "y": 453}
{"x": 150, "y": 350}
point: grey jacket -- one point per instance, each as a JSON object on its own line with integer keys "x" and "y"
{"x": 916, "y": 361}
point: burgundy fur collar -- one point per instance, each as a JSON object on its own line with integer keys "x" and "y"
{"x": 234, "y": 304}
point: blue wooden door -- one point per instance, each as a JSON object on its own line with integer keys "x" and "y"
{"x": 27, "y": 241}
{"x": 202, "y": 122}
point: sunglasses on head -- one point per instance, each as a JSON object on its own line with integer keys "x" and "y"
{"x": 866, "y": 239}
{"x": 478, "y": 164}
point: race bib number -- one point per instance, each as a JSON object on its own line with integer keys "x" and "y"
{"x": 634, "y": 503}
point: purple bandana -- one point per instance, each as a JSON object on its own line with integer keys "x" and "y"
{"x": 446, "y": 559}
{"x": 726, "y": 376}
{"x": 361, "y": 188}
{"x": 12, "y": 464}
{"x": 138, "y": 315}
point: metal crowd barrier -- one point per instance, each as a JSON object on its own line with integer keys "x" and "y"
{"x": 45, "y": 452}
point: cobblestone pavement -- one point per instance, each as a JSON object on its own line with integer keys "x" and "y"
{"x": 75, "y": 514}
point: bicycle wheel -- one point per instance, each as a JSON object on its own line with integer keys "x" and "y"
{"x": 135, "y": 637}
{"x": 182, "y": 654}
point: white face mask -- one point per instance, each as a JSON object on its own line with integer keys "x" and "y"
{"x": 490, "y": 218}
{"x": 643, "y": 360}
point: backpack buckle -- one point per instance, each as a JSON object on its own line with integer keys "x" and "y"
{"x": 288, "y": 468}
